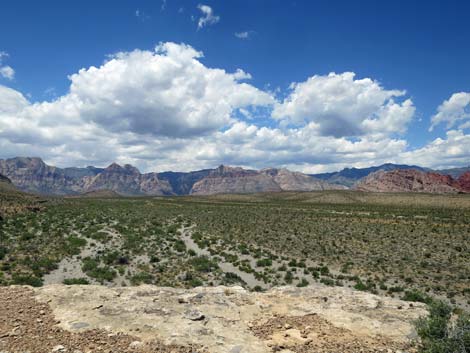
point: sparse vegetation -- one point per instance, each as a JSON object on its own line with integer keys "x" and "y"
{"x": 409, "y": 246}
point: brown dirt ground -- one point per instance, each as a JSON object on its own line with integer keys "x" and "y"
{"x": 29, "y": 326}
{"x": 312, "y": 334}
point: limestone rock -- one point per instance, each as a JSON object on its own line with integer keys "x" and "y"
{"x": 234, "y": 320}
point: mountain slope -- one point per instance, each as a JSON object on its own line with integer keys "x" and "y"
{"x": 227, "y": 180}
{"x": 410, "y": 180}
{"x": 454, "y": 172}
{"x": 349, "y": 176}
{"x": 237, "y": 180}
{"x": 182, "y": 183}
{"x": 127, "y": 180}
{"x": 33, "y": 175}
{"x": 14, "y": 201}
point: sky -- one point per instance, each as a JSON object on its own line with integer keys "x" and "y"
{"x": 310, "y": 85}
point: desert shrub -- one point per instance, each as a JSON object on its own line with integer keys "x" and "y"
{"x": 302, "y": 283}
{"x": 74, "y": 281}
{"x": 3, "y": 252}
{"x": 264, "y": 263}
{"x": 368, "y": 286}
{"x": 232, "y": 278}
{"x": 179, "y": 246}
{"x": 142, "y": 277}
{"x": 416, "y": 296}
{"x": 439, "y": 335}
{"x": 327, "y": 281}
{"x": 74, "y": 244}
{"x": 26, "y": 279}
{"x": 288, "y": 277}
{"x": 258, "y": 288}
{"x": 203, "y": 264}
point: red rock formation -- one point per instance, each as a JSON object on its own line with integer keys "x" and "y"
{"x": 410, "y": 180}
{"x": 464, "y": 182}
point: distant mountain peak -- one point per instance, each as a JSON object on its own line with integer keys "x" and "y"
{"x": 126, "y": 168}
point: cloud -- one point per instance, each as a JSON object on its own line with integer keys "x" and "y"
{"x": 451, "y": 151}
{"x": 166, "y": 92}
{"x": 163, "y": 109}
{"x": 243, "y": 35}
{"x": 141, "y": 15}
{"x": 11, "y": 101}
{"x": 341, "y": 106}
{"x": 5, "y": 70}
{"x": 455, "y": 109}
{"x": 208, "y": 17}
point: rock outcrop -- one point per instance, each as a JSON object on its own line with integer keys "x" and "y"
{"x": 234, "y": 180}
{"x": 230, "y": 319}
{"x": 349, "y": 176}
{"x": 464, "y": 182}
{"x": 295, "y": 181}
{"x": 410, "y": 180}
{"x": 33, "y": 175}
{"x": 238, "y": 180}
{"x": 127, "y": 180}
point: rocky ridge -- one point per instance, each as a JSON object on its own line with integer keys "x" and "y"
{"x": 411, "y": 180}
{"x": 206, "y": 319}
{"x": 237, "y": 180}
{"x": 33, "y": 175}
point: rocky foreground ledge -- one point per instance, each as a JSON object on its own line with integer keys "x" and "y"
{"x": 317, "y": 318}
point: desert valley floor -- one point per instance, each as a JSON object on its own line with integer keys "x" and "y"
{"x": 409, "y": 247}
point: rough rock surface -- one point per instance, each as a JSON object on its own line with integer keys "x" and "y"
{"x": 226, "y": 179}
{"x": 33, "y": 175}
{"x": 127, "y": 180}
{"x": 295, "y": 181}
{"x": 409, "y": 180}
{"x": 464, "y": 181}
{"x": 218, "y": 319}
{"x": 234, "y": 180}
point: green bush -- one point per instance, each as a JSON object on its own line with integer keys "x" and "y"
{"x": 25, "y": 279}
{"x": 416, "y": 296}
{"x": 142, "y": 277}
{"x": 264, "y": 263}
{"x": 289, "y": 277}
{"x": 74, "y": 281}
{"x": 203, "y": 264}
{"x": 3, "y": 252}
{"x": 438, "y": 335}
{"x": 179, "y": 246}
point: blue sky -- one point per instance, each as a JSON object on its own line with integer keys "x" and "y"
{"x": 413, "y": 46}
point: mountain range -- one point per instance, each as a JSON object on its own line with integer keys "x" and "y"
{"x": 350, "y": 176}
{"x": 32, "y": 174}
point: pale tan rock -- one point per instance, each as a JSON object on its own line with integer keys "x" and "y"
{"x": 227, "y": 318}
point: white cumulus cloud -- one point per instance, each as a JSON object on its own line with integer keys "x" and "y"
{"x": 453, "y": 110}
{"x": 341, "y": 105}
{"x": 166, "y": 92}
{"x": 163, "y": 109}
